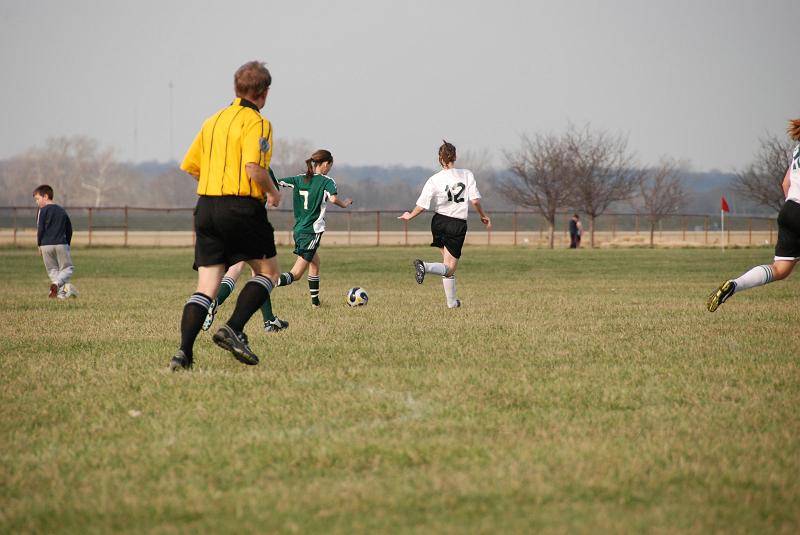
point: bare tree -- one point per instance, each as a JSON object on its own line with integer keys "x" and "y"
{"x": 604, "y": 171}
{"x": 542, "y": 177}
{"x": 761, "y": 180}
{"x": 661, "y": 193}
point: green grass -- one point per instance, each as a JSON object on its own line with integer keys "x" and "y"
{"x": 576, "y": 391}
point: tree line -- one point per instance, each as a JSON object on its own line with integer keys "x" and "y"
{"x": 584, "y": 170}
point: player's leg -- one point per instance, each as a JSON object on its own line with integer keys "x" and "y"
{"x": 273, "y": 323}
{"x": 288, "y": 277}
{"x": 754, "y": 277}
{"x": 787, "y": 254}
{"x": 254, "y": 294}
{"x": 50, "y": 260}
{"x": 194, "y": 313}
{"x": 65, "y": 271}
{"x": 449, "y": 279}
{"x": 313, "y": 280}
{"x": 226, "y": 287}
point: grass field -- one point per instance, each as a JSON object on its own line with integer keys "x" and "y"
{"x": 576, "y": 391}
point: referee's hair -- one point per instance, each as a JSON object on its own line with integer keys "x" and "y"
{"x": 447, "y": 153}
{"x": 252, "y": 79}
{"x": 319, "y": 156}
{"x": 794, "y": 129}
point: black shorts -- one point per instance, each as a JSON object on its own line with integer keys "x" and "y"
{"x": 448, "y": 232}
{"x": 788, "y": 246}
{"x": 231, "y": 229}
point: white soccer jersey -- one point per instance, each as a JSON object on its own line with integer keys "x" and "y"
{"x": 794, "y": 176}
{"x": 448, "y": 192}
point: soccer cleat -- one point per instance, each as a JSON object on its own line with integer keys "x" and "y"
{"x": 53, "y": 291}
{"x": 720, "y": 295}
{"x": 212, "y": 311}
{"x": 236, "y": 343}
{"x": 180, "y": 362}
{"x": 457, "y": 305}
{"x": 275, "y": 324}
{"x": 419, "y": 271}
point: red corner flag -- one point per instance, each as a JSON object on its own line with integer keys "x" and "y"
{"x": 724, "y": 205}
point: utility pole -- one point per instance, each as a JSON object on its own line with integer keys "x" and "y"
{"x": 170, "y": 122}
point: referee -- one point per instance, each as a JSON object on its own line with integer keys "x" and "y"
{"x": 229, "y": 159}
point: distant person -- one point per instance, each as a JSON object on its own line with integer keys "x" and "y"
{"x": 54, "y": 236}
{"x": 312, "y": 191}
{"x": 787, "y": 249}
{"x": 272, "y": 323}
{"x": 447, "y": 193}
{"x": 229, "y": 159}
{"x": 575, "y": 231}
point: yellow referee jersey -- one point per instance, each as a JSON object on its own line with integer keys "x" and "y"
{"x": 229, "y": 140}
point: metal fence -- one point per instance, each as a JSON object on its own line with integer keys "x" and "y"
{"x": 137, "y": 226}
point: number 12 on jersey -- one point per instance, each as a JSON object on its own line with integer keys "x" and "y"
{"x": 457, "y": 193}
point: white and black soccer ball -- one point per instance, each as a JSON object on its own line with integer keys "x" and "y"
{"x": 357, "y": 297}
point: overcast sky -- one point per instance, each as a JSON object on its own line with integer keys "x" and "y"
{"x": 382, "y": 82}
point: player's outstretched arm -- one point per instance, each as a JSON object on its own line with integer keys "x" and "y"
{"x": 341, "y": 204}
{"x": 412, "y": 214}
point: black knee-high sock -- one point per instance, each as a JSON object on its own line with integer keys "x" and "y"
{"x": 253, "y": 295}
{"x": 194, "y": 313}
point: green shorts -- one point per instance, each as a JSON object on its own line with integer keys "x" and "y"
{"x": 306, "y": 244}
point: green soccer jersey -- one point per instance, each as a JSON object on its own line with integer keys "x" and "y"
{"x": 310, "y": 201}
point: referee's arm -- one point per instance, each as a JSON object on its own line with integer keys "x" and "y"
{"x": 260, "y": 176}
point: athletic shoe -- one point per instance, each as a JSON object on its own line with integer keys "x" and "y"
{"x": 53, "y": 291}
{"x": 419, "y": 271}
{"x": 275, "y": 324}
{"x": 720, "y": 295}
{"x": 212, "y": 311}
{"x": 180, "y": 362}
{"x": 62, "y": 293}
{"x": 457, "y": 305}
{"x": 69, "y": 291}
{"x": 316, "y": 303}
{"x": 236, "y": 343}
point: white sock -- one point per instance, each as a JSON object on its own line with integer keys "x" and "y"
{"x": 437, "y": 268}
{"x": 758, "y": 276}
{"x": 449, "y": 284}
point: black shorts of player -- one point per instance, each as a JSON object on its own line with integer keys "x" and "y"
{"x": 448, "y": 232}
{"x": 788, "y": 245}
{"x": 231, "y": 229}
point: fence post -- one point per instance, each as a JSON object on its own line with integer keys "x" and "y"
{"x": 750, "y": 231}
{"x": 405, "y": 231}
{"x": 515, "y": 226}
{"x": 683, "y": 226}
{"x": 14, "y": 211}
{"x": 378, "y": 227}
{"x": 614, "y": 226}
{"x": 126, "y": 226}
{"x": 349, "y": 219}
{"x": 770, "y": 231}
{"x": 636, "y": 223}
{"x": 705, "y": 227}
{"x": 90, "y": 227}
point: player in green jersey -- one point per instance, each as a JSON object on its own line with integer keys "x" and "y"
{"x": 312, "y": 191}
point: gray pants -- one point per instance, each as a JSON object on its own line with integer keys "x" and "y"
{"x": 58, "y": 263}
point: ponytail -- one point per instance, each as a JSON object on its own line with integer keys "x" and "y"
{"x": 310, "y": 172}
{"x": 794, "y": 129}
{"x": 319, "y": 157}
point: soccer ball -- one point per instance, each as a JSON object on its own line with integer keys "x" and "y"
{"x": 357, "y": 297}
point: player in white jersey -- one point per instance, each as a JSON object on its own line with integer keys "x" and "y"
{"x": 448, "y": 193}
{"x": 787, "y": 249}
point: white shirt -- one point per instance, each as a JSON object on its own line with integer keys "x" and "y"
{"x": 794, "y": 176}
{"x": 448, "y": 192}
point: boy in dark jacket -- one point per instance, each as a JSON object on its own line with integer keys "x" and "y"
{"x": 53, "y": 236}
